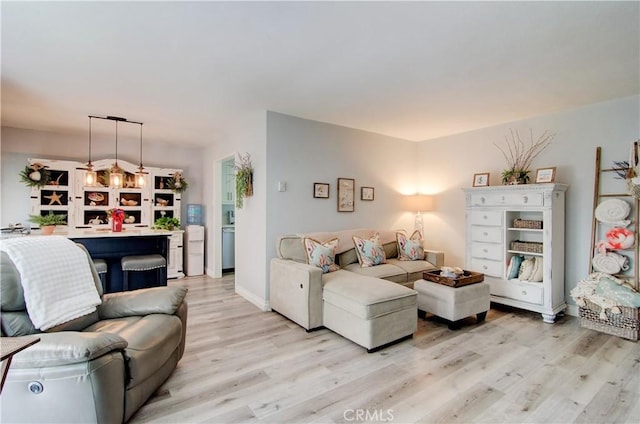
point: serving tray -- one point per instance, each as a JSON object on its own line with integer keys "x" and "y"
{"x": 468, "y": 277}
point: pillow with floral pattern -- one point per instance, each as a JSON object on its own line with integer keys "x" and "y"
{"x": 322, "y": 255}
{"x": 370, "y": 251}
{"x": 410, "y": 249}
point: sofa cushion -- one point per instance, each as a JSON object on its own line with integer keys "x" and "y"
{"x": 370, "y": 251}
{"x": 414, "y": 269}
{"x": 151, "y": 341}
{"x": 366, "y": 297}
{"x": 321, "y": 254}
{"x": 410, "y": 248}
{"x": 385, "y": 271}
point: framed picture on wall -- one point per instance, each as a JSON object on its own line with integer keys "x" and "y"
{"x": 366, "y": 193}
{"x": 545, "y": 175}
{"x": 481, "y": 180}
{"x": 346, "y": 194}
{"x": 321, "y": 190}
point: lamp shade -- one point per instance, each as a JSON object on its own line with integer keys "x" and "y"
{"x": 419, "y": 203}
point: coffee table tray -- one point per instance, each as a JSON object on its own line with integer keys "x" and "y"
{"x": 468, "y": 277}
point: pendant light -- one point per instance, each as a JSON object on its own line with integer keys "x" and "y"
{"x": 140, "y": 174}
{"x": 90, "y": 176}
{"x": 116, "y": 174}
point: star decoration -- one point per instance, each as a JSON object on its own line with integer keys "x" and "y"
{"x": 54, "y": 198}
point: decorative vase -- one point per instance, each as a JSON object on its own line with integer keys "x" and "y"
{"x": 116, "y": 225}
{"x": 47, "y": 230}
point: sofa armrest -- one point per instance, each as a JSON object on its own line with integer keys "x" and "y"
{"x": 295, "y": 291}
{"x": 436, "y": 257}
{"x": 156, "y": 300}
{"x": 67, "y": 347}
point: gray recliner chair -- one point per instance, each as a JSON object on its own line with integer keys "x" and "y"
{"x": 101, "y": 367}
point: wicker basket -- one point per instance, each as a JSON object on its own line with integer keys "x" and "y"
{"x": 526, "y": 246}
{"x": 625, "y": 324}
{"x": 527, "y": 223}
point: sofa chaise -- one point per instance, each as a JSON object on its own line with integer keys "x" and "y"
{"x": 372, "y": 306}
{"x": 98, "y": 368}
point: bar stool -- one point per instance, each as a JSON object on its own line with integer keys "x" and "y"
{"x": 101, "y": 269}
{"x": 141, "y": 263}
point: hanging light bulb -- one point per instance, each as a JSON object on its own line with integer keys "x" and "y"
{"x": 140, "y": 174}
{"x": 116, "y": 174}
{"x": 90, "y": 176}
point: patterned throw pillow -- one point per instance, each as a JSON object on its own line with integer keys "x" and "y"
{"x": 410, "y": 249}
{"x": 370, "y": 251}
{"x": 322, "y": 255}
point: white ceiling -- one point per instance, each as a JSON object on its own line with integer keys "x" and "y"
{"x": 414, "y": 70}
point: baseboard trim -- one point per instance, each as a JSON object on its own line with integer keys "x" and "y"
{"x": 572, "y": 310}
{"x": 258, "y": 301}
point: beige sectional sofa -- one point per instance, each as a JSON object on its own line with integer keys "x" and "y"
{"x": 372, "y": 306}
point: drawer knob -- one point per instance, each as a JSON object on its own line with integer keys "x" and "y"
{"x": 525, "y": 199}
{"x": 484, "y": 267}
{"x": 484, "y": 217}
{"x": 485, "y": 250}
{"x": 524, "y": 292}
{"x": 485, "y": 233}
{"x": 482, "y": 200}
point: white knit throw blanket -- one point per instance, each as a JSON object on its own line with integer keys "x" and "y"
{"x": 56, "y": 278}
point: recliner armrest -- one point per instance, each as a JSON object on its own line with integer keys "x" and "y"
{"x": 436, "y": 257}
{"x": 67, "y": 347}
{"x": 156, "y": 300}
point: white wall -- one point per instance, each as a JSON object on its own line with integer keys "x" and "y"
{"x": 301, "y": 152}
{"x": 20, "y": 144}
{"x": 450, "y": 163}
{"x": 249, "y": 136}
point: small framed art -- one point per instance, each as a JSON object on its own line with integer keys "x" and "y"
{"x": 346, "y": 194}
{"x": 366, "y": 193}
{"x": 545, "y": 175}
{"x": 481, "y": 180}
{"x": 321, "y": 190}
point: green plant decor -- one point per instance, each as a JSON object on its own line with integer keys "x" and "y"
{"x": 515, "y": 176}
{"x": 49, "y": 219}
{"x": 166, "y": 223}
{"x": 520, "y": 156}
{"x": 35, "y": 175}
{"x": 244, "y": 179}
{"x": 177, "y": 183}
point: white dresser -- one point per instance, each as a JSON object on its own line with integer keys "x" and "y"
{"x": 491, "y": 232}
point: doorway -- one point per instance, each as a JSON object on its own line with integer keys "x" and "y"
{"x": 227, "y": 214}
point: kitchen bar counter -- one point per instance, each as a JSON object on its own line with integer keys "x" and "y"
{"x": 112, "y": 247}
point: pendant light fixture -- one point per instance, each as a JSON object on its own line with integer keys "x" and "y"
{"x": 90, "y": 176}
{"x": 140, "y": 174}
{"x": 116, "y": 174}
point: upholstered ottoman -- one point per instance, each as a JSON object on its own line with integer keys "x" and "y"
{"x": 371, "y": 312}
{"x": 453, "y": 303}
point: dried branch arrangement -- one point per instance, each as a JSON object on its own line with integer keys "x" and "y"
{"x": 519, "y": 155}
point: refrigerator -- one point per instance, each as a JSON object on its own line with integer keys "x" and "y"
{"x": 194, "y": 250}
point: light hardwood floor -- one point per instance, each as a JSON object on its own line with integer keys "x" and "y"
{"x": 245, "y": 365}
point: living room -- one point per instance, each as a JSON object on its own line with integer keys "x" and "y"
{"x": 299, "y": 148}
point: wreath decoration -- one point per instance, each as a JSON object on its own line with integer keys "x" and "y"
{"x": 177, "y": 183}
{"x": 35, "y": 175}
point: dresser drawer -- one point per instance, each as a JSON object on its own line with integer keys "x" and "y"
{"x": 487, "y": 267}
{"x": 487, "y": 250}
{"x": 510, "y": 199}
{"x": 493, "y": 218}
{"x": 524, "y": 292}
{"x": 524, "y": 199}
{"x": 486, "y": 234}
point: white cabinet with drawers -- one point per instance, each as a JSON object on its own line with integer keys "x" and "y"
{"x": 525, "y": 220}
